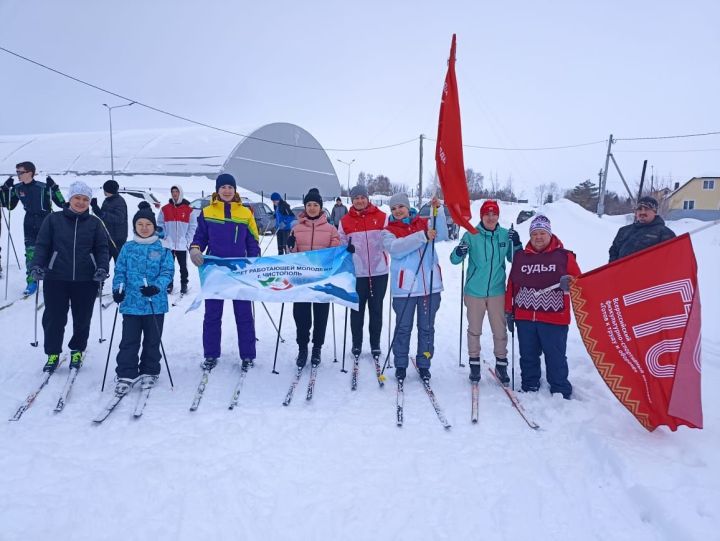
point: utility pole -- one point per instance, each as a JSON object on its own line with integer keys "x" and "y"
{"x": 603, "y": 180}
{"x": 420, "y": 187}
{"x": 112, "y": 154}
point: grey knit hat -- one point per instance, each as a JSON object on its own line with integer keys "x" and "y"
{"x": 399, "y": 199}
{"x": 80, "y": 188}
{"x": 359, "y": 191}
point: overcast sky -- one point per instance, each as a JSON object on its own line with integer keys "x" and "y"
{"x": 365, "y": 74}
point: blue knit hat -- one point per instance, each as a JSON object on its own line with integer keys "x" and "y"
{"x": 275, "y": 197}
{"x": 225, "y": 179}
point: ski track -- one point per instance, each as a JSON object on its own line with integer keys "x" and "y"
{"x": 337, "y": 466}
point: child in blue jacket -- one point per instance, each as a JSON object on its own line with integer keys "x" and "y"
{"x": 142, "y": 274}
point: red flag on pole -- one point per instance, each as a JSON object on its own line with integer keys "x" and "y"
{"x": 449, "y": 151}
{"x": 639, "y": 318}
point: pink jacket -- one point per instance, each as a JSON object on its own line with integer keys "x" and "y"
{"x": 314, "y": 234}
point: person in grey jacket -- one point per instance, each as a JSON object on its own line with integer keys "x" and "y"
{"x": 338, "y": 211}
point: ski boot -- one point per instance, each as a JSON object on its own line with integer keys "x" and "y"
{"x": 376, "y": 353}
{"x": 209, "y": 363}
{"x": 302, "y": 356}
{"x": 246, "y": 363}
{"x": 52, "y": 362}
{"x": 424, "y": 374}
{"x": 474, "y": 369}
{"x": 356, "y": 351}
{"x": 147, "y": 381}
{"x": 183, "y": 289}
{"x": 501, "y": 371}
{"x": 400, "y": 373}
{"x": 30, "y": 289}
{"x": 123, "y": 386}
{"x": 76, "y": 359}
{"x": 315, "y": 355}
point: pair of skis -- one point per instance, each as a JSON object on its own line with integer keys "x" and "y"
{"x": 72, "y": 375}
{"x": 509, "y": 393}
{"x": 356, "y": 370}
{"x": 296, "y": 381}
{"x": 146, "y": 385}
{"x": 199, "y": 393}
{"x": 400, "y": 402}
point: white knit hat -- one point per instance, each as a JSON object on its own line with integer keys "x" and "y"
{"x": 80, "y": 188}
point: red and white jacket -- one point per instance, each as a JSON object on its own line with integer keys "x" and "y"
{"x": 178, "y": 221}
{"x": 365, "y": 228}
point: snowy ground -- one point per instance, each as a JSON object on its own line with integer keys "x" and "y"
{"x": 338, "y": 467}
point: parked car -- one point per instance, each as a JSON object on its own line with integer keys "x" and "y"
{"x": 144, "y": 195}
{"x": 263, "y": 214}
{"x": 300, "y": 208}
{"x": 453, "y": 228}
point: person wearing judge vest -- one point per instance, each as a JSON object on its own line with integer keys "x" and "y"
{"x": 542, "y": 316}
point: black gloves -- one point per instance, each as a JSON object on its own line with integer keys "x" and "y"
{"x": 51, "y": 183}
{"x": 565, "y": 283}
{"x": 291, "y": 242}
{"x": 118, "y": 295}
{"x": 9, "y": 182}
{"x": 37, "y": 273}
{"x": 149, "y": 291}
{"x": 461, "y": 249}
{"x": 510, "y": 320}
{"x": 514, "y": 237}
{"x": 94, "y": 205}
{"x": 350, "y": 246}
{"x": 100, "y": 275}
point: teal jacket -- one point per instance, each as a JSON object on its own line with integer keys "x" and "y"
{"x": 487, "y": 252}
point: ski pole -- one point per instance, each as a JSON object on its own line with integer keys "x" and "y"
{"x": 462, "y": 298}
{"x": 7, "y": 274}
{"x": 389, "y": 321}
{"x": 334, "y": 342}
{"x": 100, "y": 311}
{"x": 112, "y": 334}
{"x": 344, "y": 342}
{"x": 272, "y": 321}
{"x": 10, "y": 239}
{"x": 270, "y": 243}
{"x": 157, "y": 329}
{"x": 277, "y": 340}
{"x": 37, "y": 303}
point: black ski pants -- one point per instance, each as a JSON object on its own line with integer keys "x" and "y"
{"x": 371, "y": 291}
{"x": 181, "y": 256}
{"x": 282, "y": 237}
{"x": 311, "y": 314}
{"x": 135, "y": 329}
{"x": 59, "y": 296}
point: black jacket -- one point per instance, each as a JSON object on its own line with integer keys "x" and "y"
{"x": 635, "y": 237}
{"x": 71, "y": 246}
{"x": 113, "y": 213}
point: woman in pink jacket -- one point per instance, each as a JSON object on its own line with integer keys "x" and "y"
{"x": 312, "y": 232}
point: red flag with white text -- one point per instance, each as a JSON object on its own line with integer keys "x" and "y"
{"x": 449, "y": 151}
{"x": 639, "y": 318}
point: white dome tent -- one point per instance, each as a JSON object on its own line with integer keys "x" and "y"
{"x": 283, "y": 158}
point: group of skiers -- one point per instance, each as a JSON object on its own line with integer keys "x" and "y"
{"x": 70, "y": 251}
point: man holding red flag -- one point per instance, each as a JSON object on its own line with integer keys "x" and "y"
{"x": 449, "y": 151}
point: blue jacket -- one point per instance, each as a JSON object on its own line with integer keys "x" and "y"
{"x": 405, "y": 243}
{"x": 143, "y": 260}
{"x": 284, "y": 217}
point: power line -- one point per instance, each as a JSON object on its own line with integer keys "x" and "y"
{"x": 196, "y": 122}
{"x": 666, "y": 136}
{"x": 368, "y": 149}
{"x": 666, "y": 151}
{"x": 533, "y": 148}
